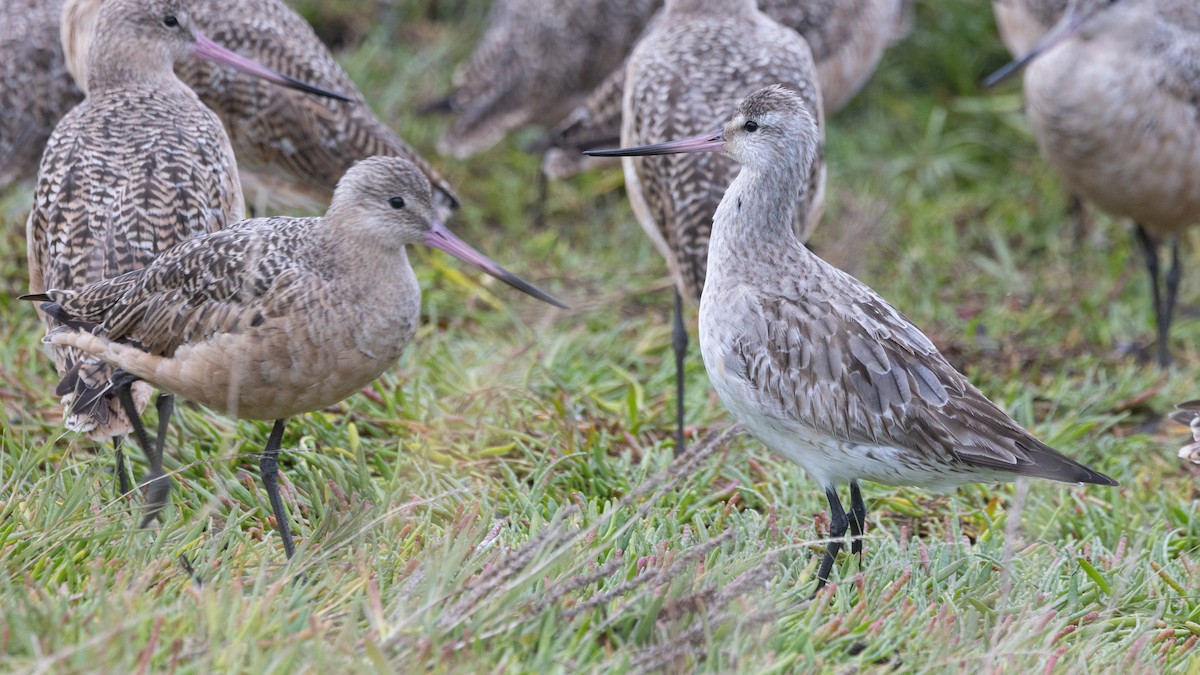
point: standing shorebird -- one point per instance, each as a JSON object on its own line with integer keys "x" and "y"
{"x": 290, "y": 147}
{"x": 847, "y": 39}
{"x": 1111, "y": 96}
{"x": 817, "y": 365}
{"x": 536, "y": 60}
{"x": 700, "y": 59}
{"x": 35, "y": 88}
{"x": 134, "y": 169}
{"x": 275, "y": 317}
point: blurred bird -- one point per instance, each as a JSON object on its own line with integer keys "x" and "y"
{"x": 35, "y": 88}
{"x": 1111, "y": 96}
{"x": 537, "y": 59}
{"x": 847, "y": 39}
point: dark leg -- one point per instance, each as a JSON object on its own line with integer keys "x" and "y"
{"x": 153, "y": 484}
{"x": 858, "y": 518}
{"x": 1164, "y": 330}
{"x": 1160, "y": 317}
{"x": 122, "y": 476}
{"x": 1077, "y": 211}
{"x": 543, "y": 196}
{"x": 679, "y": 342}
{"x": 158, "y": 486}
{"x": 269, "y": 465}
{"x": 838, "y": 524}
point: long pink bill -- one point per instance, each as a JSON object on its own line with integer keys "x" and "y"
{"x": 702, "y": 143}
{"x": 444, "y": 239}
{"x": 1066, "y": 27}
{"x": 211, "y": 51}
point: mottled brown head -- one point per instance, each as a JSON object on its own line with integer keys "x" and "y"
{"x": 388, "y": 198}
{"x": 138, "y": 40}
{"x": 386, "y": 203}
{"x": 770, "y": 128}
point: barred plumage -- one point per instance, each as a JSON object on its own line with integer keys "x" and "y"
{"x": 35, "y": 87}
{"x": 294, "y": 147}
{"x": 536, "y": 60}
{"x": 847, "y": 39}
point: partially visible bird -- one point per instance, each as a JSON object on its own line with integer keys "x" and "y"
{"x": 1189, "y": 413}
{"x": 537, "y": 60}
{"x": 275, "y": 317}
{"x": 1023, "y": 22}
{"x": 35, "y": 88}
{"x": 134, "y": 169}
{"x": 292, "y": 148}
{"x": 812, "y": 361}
{"x": 701, "y": 58}
{"x": 847, "y": 39}
{"x": 1111, "y": 94}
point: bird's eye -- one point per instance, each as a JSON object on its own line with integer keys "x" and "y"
{"x": 170, "y": 21}
{"x": 750, "y": 126}
{"x": 396, "y": 202}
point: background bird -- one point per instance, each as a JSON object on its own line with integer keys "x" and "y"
{"x": 1111, "y": 97}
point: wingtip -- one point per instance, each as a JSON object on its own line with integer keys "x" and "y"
{"x": 438, "y": 106}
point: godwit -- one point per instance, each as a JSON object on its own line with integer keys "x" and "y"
{"x": 694, "y": 65}
{"x": 817, "y": 365}
{"x": 289, "y": 146}
{"x": 137, "y": 167}
{"x": 1111, "y": 96}
{"x": 1023, "y": 22}
{"x": 847, "y": 39}
{"x": 276, "y": 316}
{"x": 1189, "y": 414}
{"x": 536, "y": 60}
{"x": 35, "y": 88}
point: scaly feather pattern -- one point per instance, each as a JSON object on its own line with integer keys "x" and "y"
{"x": 702, "y": 57}
{"x": 847, "y": 40}
{"x": 35, "y": 88}
{"x": 139, "y": 166}
{"x": 287, "y": 139}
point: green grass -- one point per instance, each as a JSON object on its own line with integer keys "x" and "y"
{"x": 507, "y": 500}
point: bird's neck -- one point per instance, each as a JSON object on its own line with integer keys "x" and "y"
{"x": 755, "y": 219}
{"x": 108, "y": 74}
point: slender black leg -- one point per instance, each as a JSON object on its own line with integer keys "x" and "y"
{"x": 679, "y": 342}
{"x": 122, "y": 476}
{"x": 1164, "y": 329}
{"x": 269, "y": 465}
{"x": 1077, "y": 211}
{"x": 543, "y": 196}
{"x": 838, "y": 524}
{"x": 858, "y": 518}
{"x": 1160, "y": 318}
{"x": 158, "y": 487}
{"x": 156, "y": 483}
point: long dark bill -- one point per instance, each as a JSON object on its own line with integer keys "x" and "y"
{"x": 702, "y": 143}
{"x": 1065, "y": 28}
{"x": 206, "y": 49}
{"x": 442, "y": 238}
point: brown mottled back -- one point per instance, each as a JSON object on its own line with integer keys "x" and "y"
{"x": 35, "y": 88}
{"x": 306, "y": 141}
{"x": 684, "y": 78}
{"x": 139, "y": 166}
